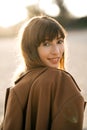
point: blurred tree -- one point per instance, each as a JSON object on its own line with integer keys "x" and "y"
{"x": 34, "y": 10}
{"x": 69, "y": 20}
{"x": 64, "y": 16}
{"x": 63, "y": 10}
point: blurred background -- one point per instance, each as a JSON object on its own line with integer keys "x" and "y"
{"x": 70, "y": 13}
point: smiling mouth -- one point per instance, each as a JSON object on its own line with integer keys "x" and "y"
{"x": 54, "y": 60}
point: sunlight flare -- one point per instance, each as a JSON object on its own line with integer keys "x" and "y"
{"x": 49, "y": 8}
{"x": 78, "y": 8}
{"x": 14, "y": 11}
{"x": 11, "y": 13}
{"x": 31, "y": 2}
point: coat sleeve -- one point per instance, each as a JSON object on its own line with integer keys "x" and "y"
{"x": 69, "y": 110}
{"x": 13, "y": 119}
{"x": 70, "y": 117}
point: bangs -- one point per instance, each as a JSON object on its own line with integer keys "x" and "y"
{"x": 49, "y": 31}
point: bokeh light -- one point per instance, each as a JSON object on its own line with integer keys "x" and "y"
{"x": 78, "y": 8}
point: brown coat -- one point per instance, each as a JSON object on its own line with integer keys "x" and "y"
{"x": 44, "y": 99}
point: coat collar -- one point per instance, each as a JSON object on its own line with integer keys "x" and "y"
{"x": 30, "y": 70}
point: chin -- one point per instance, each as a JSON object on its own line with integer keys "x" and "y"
{"x": 54, "y": 67}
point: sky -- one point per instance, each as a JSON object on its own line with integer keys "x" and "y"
{"x": 14, "y": 11}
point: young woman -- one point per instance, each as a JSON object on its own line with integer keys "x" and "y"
{"x": 45, "y": 97}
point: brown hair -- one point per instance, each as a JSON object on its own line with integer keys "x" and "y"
{"x": 35, "y": 31}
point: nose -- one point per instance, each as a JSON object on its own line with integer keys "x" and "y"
{"x": 55, "y": 50}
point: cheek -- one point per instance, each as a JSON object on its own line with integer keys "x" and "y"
{"x": 62, "y": 49}
{"x": 41, "y": 52}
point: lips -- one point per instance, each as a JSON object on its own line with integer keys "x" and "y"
{"x": 54, "y": 60}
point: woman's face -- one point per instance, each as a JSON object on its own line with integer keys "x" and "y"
{"x": 50, "y": 52}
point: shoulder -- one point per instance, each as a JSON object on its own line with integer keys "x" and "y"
{"x": 57, "y": 76}
{"x": 46, "y": 75}
{"x": 53, "y": 73}
{"x": 62, "y": 81}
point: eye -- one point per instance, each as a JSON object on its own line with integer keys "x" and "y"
{"x": 46, "y": 43}
{"x": 60, "y": 41}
